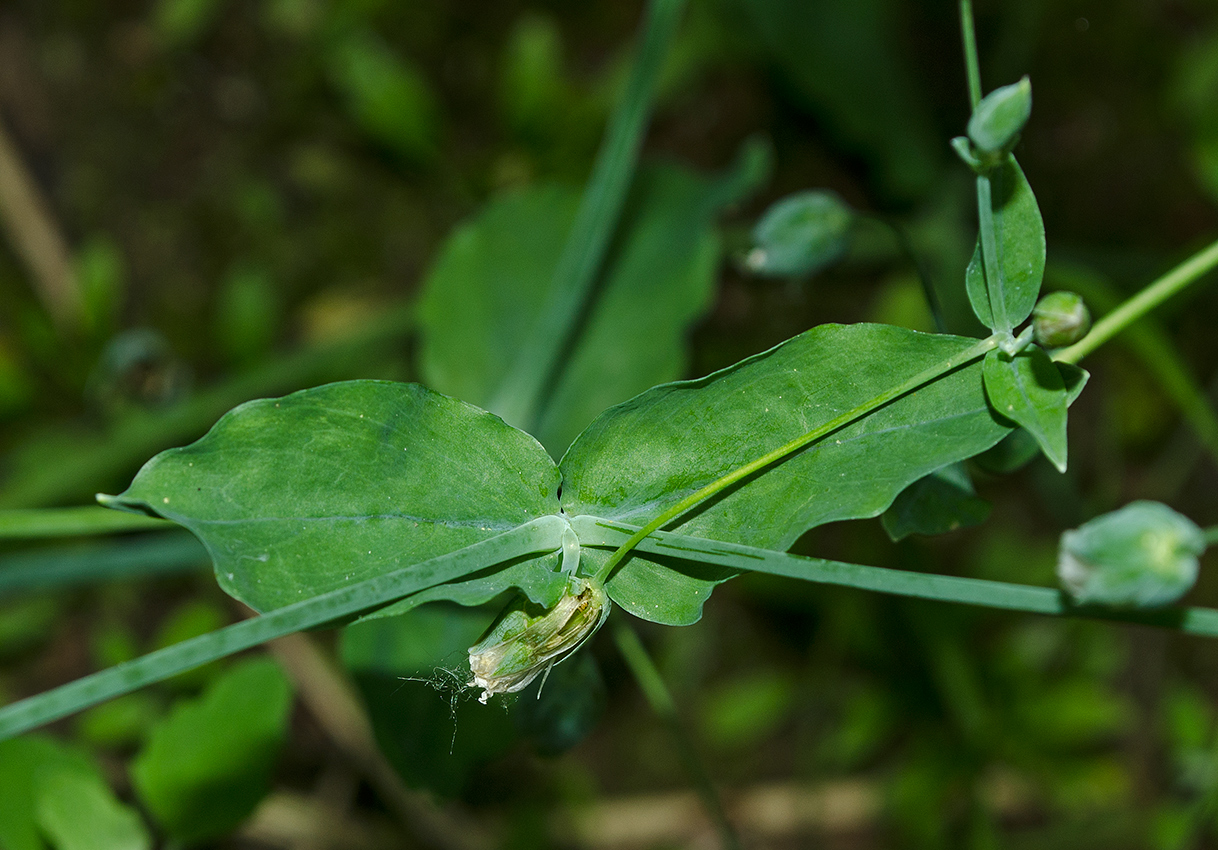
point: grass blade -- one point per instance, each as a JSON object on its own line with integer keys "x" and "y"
{"x": 71, "y": 522}
{"x": 87, "y": 563}
{"x": 540, "y": 535}
{"x": 597, "y": 532}
{"x": 519, "y": 398}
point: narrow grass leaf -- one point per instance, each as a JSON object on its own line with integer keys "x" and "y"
{"x": 541, "y": 535}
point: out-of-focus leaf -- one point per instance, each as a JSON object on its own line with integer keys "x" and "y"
{"x": 387, "y": 97}
{"x": 247, "y": 315}
{"x": 1140, "y": 556}
{"x": 184, "y": 21}
{"x": 307, "y": 493}
{"x": 208, "y": 763}
{"x": 800, "y": 234}
{"x": 77, "y": 811}
{"x": 847, "y": 64}
{"x": 941, "y": 502}
{"x": 101, "y": 275}
{"x": 532, "y": 86}
{"x": 646, "y": 454}
{"x": 25, "y": 764}
{"x": 744, "y": 712}
{"x": 493, "y": 275}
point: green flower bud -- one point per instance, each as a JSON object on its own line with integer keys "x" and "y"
{"x": 1060, "y": 318}
{"x": 1141, "y": 556}
{"x": 995, "y": 124}
{"x": 800, "y": 235}
{"x": 528, "y": 640}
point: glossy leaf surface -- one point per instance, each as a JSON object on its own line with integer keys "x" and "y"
{"x": 301, "y": 495}
{"x": 1020, "y": 235}
{"x": 642, "y": 456}
{"x": 1028, "y": 389}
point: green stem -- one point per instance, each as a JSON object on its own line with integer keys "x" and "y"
{"x": 989, "y": 254}
{"x": 972, "y": 67}
{"x": 720, "y": 484}
{"x": 72, "y": 522}
{"x": 661, "y": 702}
{"x": 541, "y": 535}
{"x": 1139, "y": 305}
{"x": 1147, "y": 339}
{"x": 520, "y": 396}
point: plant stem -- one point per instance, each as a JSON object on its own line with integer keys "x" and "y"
{"x": 720, "y": 484}
{"x": 1139, "y": 305}
{"x": 72, "y": 522}
{"x": 661, "y": 702}
{"x": 521, "y": 395}
{"x": 972, "y": 67}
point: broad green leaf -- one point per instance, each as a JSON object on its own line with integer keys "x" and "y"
{"x": 1141, "y": 556}
{"x": 493, "y": 276}
{"x": 1028, "y": 389}
{"x": 208, "y": 763}
{"x": 999, "y": 118}
{"x": 22, "y": 761}
{"x": 1020, "y": 234}
{"x": 644, "y": 455}
{"x": 800, "y": 234}
{"x": 78, "y": 811}
{"x": 297, "y": 496}
{"x": 941, "y": 502}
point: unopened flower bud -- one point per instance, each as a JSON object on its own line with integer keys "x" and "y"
{"x": 1141, "y": 556}
{"x": 1060, "y": 318}
{"x": 527, "y": 640}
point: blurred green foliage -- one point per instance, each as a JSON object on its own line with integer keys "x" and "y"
{"x": 241, "y": 183}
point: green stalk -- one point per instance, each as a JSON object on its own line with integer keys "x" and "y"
{"x": 600, "y": 533}
{"x": 1192, "y": 269}
{"x": 541, "y": 535}
{"x": 717, "y": 486}
{"x": 972, "y": 67}
{"x": 521, "y": 395}
{"x": 661, "y": 702}
{"x": 72, "y": 522}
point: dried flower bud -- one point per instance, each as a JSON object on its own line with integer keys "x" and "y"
{"x": 1060, "y": 318}
{"x": 526, "y": 640}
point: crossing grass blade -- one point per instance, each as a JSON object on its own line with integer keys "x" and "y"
{"x": 540, "y": 535}
{"x": 599, "y": 533}
{"x": 520, "y": 395}
{"x": 32, "y": 523}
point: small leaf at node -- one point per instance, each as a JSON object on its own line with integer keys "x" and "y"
{"x": 1028, "y": 389}
{"x": 1141, "y": 556}
{"x": 936, "y": 504}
